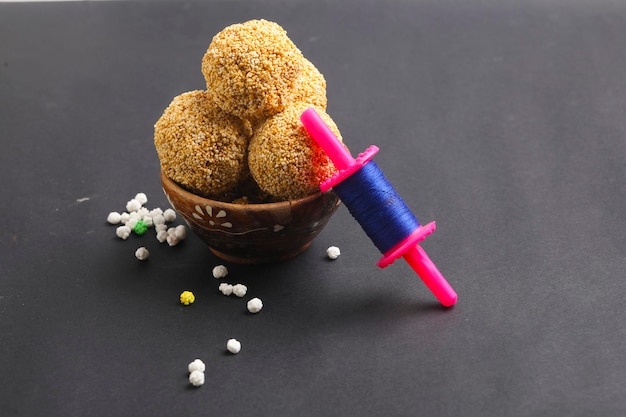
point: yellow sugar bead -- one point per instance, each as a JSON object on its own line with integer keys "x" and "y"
{"x": 187, "y": 298}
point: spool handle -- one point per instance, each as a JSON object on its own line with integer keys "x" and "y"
{"x": 419, "y": 261}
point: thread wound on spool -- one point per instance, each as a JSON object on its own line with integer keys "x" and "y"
{"x": 342, "y": 174}
{"x": 374, "y": 203}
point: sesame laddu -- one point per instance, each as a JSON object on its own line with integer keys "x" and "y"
{"x": 199, "y": 146}
{"x": 251, "y": 69}
{"x": 311, "y": 86}
{"x": 284, "y": 160}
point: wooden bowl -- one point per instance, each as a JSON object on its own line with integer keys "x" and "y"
{"x": 253, "y": 233}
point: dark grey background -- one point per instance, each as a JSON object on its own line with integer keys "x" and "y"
{"x": 504, "y": 121}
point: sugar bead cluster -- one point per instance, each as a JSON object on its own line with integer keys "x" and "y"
{"x": 196, "y": 372}
{"x": 239, "y": 290}
{"x": 138, "y": 219}
{"x": 197, "y": 367}
{"x": 254, "y": 305}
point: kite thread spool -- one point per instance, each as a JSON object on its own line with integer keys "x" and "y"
{"x": 373, "y": 202}
{"x": 378, "y": 208}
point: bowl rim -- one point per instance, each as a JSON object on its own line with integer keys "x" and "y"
{"x": 234, "y": 206}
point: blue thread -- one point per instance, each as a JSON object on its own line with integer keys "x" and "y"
{"x": 374, "y": 203}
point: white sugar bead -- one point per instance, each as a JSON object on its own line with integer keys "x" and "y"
{"x": 160, "y": 227}
{"x": 233, "y": 346}
{"x": 226, "y": 288}
{"x": 176, "y": 234}
{"x": 114, "y": 217}
{"x": 161, "y": 236}
{"x": 255, "y": 305}
{"x": 156, "y": 211}
{"x": 172, "y": 240}
{"x": 180, "y": 231}
{"x": 133, "y": 205}
{"x": 240, "y": 290}
{"x": 169, "y": 215}
{"x": 124, "y": 217}
{"x": 196, "y": 378}
{"x": 123, "y": 232}
{"x": 142, "y": 253}
{"x": 142, "y": 198}
{"x": 196, "y": 365}
{"x": 220, "y": 271}
{"x": 333, "y": 252}
{"x": 157, "y": 218}
{"x": 143, "y": 212}
{"x": 132, "y": 222}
